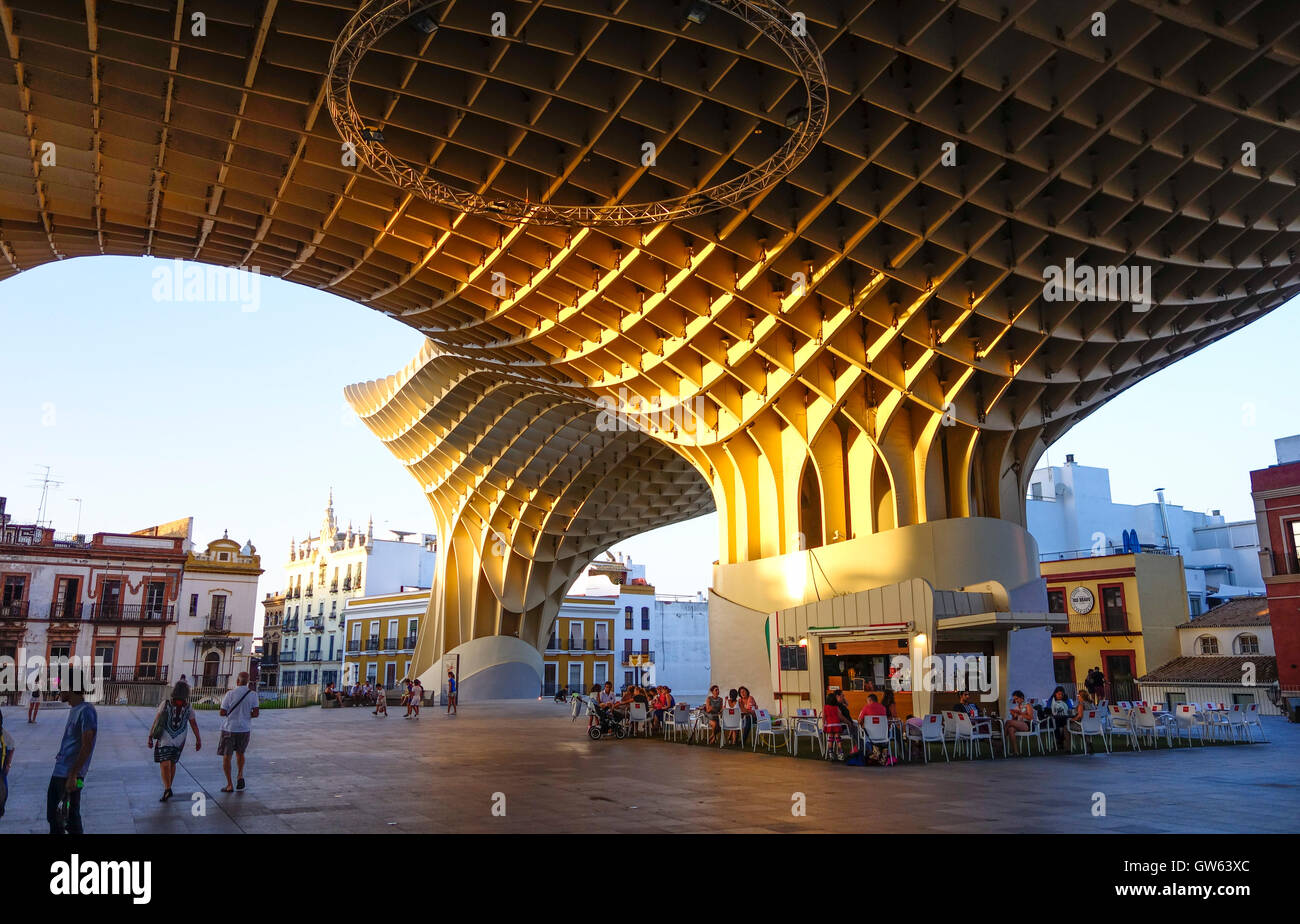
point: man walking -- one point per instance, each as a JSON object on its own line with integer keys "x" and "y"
{"x": 238, "y": 709}
{"x": 63, "y": 798}
{"x": 451, "y": 692}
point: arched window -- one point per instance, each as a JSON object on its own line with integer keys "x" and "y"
{"x": 1246, "y": 643}
{"x": 1208, "y": 644}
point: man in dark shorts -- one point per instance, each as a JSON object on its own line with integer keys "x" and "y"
{"x": 238, "y": 709}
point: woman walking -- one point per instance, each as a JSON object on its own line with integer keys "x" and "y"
{"x": 167, "y": 735}
{"x": 33, "y": 706}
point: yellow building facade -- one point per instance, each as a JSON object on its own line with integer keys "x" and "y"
{"x": 580, "y": 650}
{"x": 1123, "y": 615}
{"x": 380, "y": 633}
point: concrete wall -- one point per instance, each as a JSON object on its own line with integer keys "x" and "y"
{"x": 494, "y": 667}
{"x": 1161, "y": 588}
{"x": 1189, "y": 639}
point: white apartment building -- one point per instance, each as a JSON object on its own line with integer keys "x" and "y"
{"x": 323, "y": 574}
{"x": 669, "y": 633}
{"x": 1069, "y": 511}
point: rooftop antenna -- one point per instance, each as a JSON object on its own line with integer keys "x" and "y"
{"x": 45, "y": 483}
{"x": 77, "y": 501}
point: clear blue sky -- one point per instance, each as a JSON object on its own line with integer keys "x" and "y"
{"x": 150, "y": 410}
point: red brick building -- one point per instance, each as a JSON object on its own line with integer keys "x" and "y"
{"x": 1276, "y": 491}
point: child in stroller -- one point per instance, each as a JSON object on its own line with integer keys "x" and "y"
{"x": 604, "y": 721}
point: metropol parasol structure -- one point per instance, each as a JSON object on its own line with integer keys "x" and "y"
{"x": 784, "y": 261}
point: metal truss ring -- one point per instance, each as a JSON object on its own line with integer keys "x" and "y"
{"x": 377, "y": 18}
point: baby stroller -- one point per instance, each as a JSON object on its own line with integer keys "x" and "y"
{"x": 606, "y": 722}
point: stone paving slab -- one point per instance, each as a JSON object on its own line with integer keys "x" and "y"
{"x": 343, "y": 770}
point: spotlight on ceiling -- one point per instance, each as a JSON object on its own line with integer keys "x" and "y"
{"x": 373, "y": 134}
{"x": 796, "y": 117}
{"x": 698, "y": 12}
{"x": 423, "y": 23}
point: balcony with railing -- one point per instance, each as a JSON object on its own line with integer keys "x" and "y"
{"x": 354, "y": 647}
{"x": 270, "y": 660}
{"x": 288, "y": 657}
{"x": 216, "y": 625}
{"x": 390, "y": 644}
{"x": 372, "y": 643}
{"x": 347, "y": 584}
{"x": 1073, "y": 554}
{"x": 314, "y": 656}
{"x": 1285, "y": 564}
{"x": 334, "y": 587}
{"x": 315, "y": 624}
{"x": 308, "y": 592}
{"x": 132, "y": 613}
{"x": 66, "y": 612}
{"x": 212, "y": 682}
{"x": 1097, "y": 622}
{"x": 408, "y": 643}
{"x": 593, "y": 645}
{"x": 139, "y": 673}
{"x": 14, "y": 611}
{"x": 290, "y": 627}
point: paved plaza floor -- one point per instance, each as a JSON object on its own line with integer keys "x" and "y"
{"x": 342, "y": 771}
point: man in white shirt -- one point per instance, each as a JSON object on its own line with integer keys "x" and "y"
{"x": 238, "y": 709}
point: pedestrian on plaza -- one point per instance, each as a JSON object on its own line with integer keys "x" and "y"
{"x": 238, "y": 709}
{"x": 406, "y": 696}
{"x": 6, "y": 758}
{"x": 170, "y": 728}
{"x": 451, "y": 692}
{"x": 417, "y": 697}
{"x": 63, "y": 797}
{"x": 381, "y": 701}
{"x": 33, "y": 706}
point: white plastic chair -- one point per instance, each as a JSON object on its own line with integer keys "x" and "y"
{"x": 875, "y": 731}
{"x": 1088, "y": 727}
{"x": 1188, "y": 720}
{"x": 967, "y": 732}
{"x": 638, "y": 717}
{"x": 805, "y": 726}
{"x": 1235, "y": 724}
{"x": 578, "y": 700}
{"x": 677, "y": 721}
{"x": 1252, "y": 721}
{"x": 931, "y": 733}
{"x": 1146, "y": 725}
{"x": 731, "y": 720}
{"x": 1121, "y": 723}
{"x": 765, "y": 726}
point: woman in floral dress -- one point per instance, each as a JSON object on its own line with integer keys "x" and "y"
{"x": 168, "y": 733}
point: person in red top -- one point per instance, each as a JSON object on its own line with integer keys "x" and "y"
{"x": 833, "y": 725}
{"x": 872, "y": 707}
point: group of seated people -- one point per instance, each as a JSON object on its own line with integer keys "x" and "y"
{"x": 840, "y": 725}
{"x": 658, "y": 701}
{"x": 1059, "y": 709}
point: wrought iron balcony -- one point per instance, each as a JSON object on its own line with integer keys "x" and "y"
{"x": 354, "y": 647}
{"x": 66, "y": 612}
{"x": 290, "y": 627}
{"x": 131, "y": 612}
{"x": 347, "y": 584}
{"x": 139, "y": 673}
{"x": 212, "y": 681}
{"x": 372, "y": 643}
{"x": 308, "y": 592}
{"x": 316, "y": 624}
{"x": 216, "y": 625}
{"x": 15, "y": 611}
{"x": 334, "y": 587}
{"x": 390, "y": 644}
{"x": 288, "y": 657}
{"x": 408, "y": 643}
{"x": 314, "y": 656}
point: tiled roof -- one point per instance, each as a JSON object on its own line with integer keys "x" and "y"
{"x": 1244, "y": 611}
{"x": 1221, "y": 669}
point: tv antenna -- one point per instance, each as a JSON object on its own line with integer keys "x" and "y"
{"x": 77, "y": 501}
{"x": 45, "y": 483}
